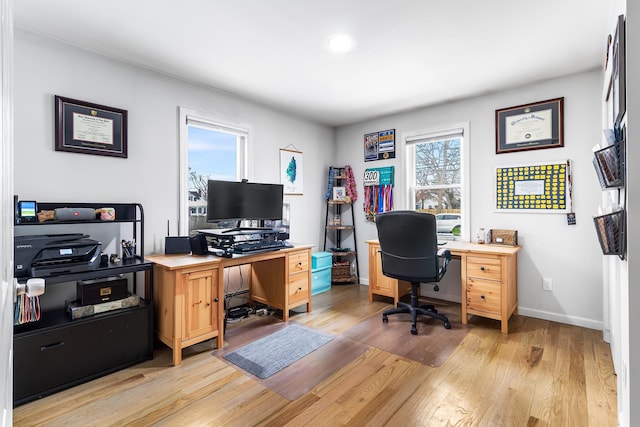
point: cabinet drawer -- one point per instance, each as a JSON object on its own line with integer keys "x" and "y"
{"x": 298, "y": 287}
{"x": 298, "y": 261}
{"x": 54, "y": 359}
{"x": 484, "y": 267}
{"x": 484, "y": 295}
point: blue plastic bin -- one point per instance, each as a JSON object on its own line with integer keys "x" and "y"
{"x": 320, "y": 280}
{"x": 321, "y": 272}
{"x": 321, "y": 259}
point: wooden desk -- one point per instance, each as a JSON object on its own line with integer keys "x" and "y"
{"x": 189, "y": 291}
{"x": 489, "y": 279}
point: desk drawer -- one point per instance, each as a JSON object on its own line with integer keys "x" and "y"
{"x": 298, "y": 261}
{"x": 298, "y": 287}
{"x": 484, "y": 295}
{"x": 484, "y": 267}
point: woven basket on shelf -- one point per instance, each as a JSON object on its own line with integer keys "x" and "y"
{"x": 339, "y": 271}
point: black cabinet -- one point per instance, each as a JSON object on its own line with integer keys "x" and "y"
{"x": 54, "y": 358}
{"x": 57, "y": 352}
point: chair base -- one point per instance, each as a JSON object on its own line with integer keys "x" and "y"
{"x": 414, "y": 309}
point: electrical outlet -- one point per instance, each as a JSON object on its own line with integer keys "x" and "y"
{"x": 547, "y": 284}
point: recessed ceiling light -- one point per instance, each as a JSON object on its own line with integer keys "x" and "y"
{"x": 341, "y": 43}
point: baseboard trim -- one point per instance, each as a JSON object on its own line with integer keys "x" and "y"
{"x": 561, "y": 318}
{"x": 538, "y": 314}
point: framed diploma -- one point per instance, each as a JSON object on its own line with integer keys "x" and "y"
{"x": 83, "y": 127}
{"x": 530, "y": 126}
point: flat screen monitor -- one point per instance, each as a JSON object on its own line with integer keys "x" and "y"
{"x": 232, "y": 200}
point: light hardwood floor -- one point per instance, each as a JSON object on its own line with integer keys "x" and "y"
{"x": 542, "y": 373}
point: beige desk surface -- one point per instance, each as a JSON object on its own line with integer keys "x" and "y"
{"x": 172, "y": 262}
{"x": 458, "y": 248}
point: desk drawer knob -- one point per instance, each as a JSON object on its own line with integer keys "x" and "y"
{"x": 481, "y": 296}
{"x": 216, "y": 299}
{"x": 482, "y": 268}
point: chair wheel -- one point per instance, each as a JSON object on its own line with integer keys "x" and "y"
{"x": 414, "y": 331}
{"x": 447, "y": 325}
{"x": 385, "y": 319}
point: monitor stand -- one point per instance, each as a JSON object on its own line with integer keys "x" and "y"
{"x": 236, "y": 229}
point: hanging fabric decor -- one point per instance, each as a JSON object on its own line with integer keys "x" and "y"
{"x": 332, "y": 175}
{"x": 378, "y": 191}
{"x": 352, "y": 193}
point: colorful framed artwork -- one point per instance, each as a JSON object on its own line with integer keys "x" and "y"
{"x": 291, "y": 169}
{"x": 535, "y": 187}
{"x": 380, "y": 145}
{"x": 339, "y": 194}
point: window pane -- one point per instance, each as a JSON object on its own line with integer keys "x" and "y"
{"x": 438, "y": 200}
{"x": 436, "y": 187}
{"x": 212, "y": 155}
{"x": 438, "y": 162}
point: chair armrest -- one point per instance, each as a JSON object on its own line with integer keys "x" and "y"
{"x": 445, "y": 254}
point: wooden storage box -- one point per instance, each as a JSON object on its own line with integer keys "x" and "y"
{"x": 504, "y": 237}
{"x": 97, "y": 291}
{"x": 79, "y": 311}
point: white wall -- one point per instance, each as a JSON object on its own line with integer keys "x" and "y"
{"x": 569, "y": 255}
{"x": 629, "y": 381}
{"x": 44, "y": 68}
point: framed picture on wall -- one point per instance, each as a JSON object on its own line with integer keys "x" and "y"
{"x": 530, "y": 126}
{"x": 619, "y": 90}
{"x": 291, "y": 171}
{"x": 87, "y": 128}
{"x": 534, "y": 187}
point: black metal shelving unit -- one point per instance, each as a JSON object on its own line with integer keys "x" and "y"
{"x": 56, "y": 352}
{"x": 338, "y": 234}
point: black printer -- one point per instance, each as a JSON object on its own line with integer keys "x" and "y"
{"x": 52, "y": 254}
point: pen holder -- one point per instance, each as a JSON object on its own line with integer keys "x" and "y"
{"x": 128, "y": 252}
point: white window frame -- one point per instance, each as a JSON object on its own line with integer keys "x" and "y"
{"x": 407, "y": 141}
{"x": 187, "y": 117}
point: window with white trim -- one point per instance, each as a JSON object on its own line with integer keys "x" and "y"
{"x": 209, "y": 149}
{"x": 436, "y": 175}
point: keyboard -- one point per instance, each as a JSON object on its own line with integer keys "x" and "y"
{"x": 259, "y": 246}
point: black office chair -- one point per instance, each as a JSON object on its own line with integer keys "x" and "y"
{"x": 409, "y": 249}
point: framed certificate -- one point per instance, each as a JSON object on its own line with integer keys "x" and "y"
{"x": 83, "y": 127}
{"x": 530, "y": 126}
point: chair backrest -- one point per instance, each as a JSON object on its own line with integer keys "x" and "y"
{"x": 408, "y": 245}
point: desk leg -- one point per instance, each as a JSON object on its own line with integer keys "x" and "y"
{"x": 463, "y": 280}
{"x": 177, "y": 356}
{"x": 504, "y": 326}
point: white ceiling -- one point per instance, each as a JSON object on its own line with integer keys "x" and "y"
{"x": 409, "y": 53}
